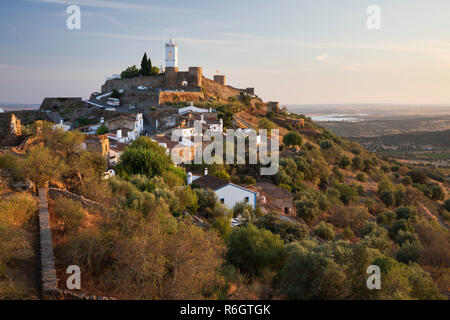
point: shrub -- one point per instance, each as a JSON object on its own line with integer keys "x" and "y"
{"x": 387, "y": 197}
{"x": 406, "y": 213}
{"x": 249, "y": 180}
{"x": 308, "y": 210}
{"x": 361, "y": 177}
{"x": 418, "y": 177}
{"x": 386, "y": 218}
{"x": 353, "y": 217}
{"x": 408, "y": 252}
{"x": 327, "y": 144}
{"x": 447, "y": 205}
{"x": 348, "y": 234}
{"x": 70, "y": 213}
{"x": 357, "y": 163}
{"x": 223, "y": 226}
{"x": 292, "y": 139}
{"x": 254, "y": 250}
{"x": 407, "y": 181}
{"x": 345, "y": 162}
{"x": 288, "y": 231}
{"x": 325, "y": 231}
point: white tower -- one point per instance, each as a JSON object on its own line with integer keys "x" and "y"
{"x": 171, "y": 54}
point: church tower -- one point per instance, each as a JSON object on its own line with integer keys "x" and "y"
{"x": 171, "y": 54}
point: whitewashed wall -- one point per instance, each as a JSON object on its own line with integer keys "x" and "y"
{"x": 233, "y": 194}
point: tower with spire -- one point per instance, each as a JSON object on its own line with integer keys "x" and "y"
{"x": 171, "y": 54}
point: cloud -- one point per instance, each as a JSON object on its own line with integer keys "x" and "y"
{"x": 322, "y": 57}
{"x": 120, "y": 5}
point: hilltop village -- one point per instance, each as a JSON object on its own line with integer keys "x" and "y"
{"x": 91, "y": 183}
{"x": 154, "y": 104}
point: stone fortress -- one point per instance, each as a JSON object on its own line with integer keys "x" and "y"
{"x": 172, "y": 85}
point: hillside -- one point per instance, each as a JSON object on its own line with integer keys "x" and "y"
{"x": 157, "y": 238}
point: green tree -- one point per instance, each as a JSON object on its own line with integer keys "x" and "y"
{"x": 345, "y": 162}
{"x": 293, "y": 139}
{"x": 265, "y": 123}
{"x": 146, "y": 65}
{"x": 223, "y": 226}
{"x": 311, "y": 273}
{"x": 102, "y": 130}
{"x": 145, "y": 157}
{"x": 254, "y": 250}
{"x": 40, "y": 166}
{"x": 357, "y": 163}
{"x": 447, "y": 205}
{"x": 130, "y": 72}
{"x": 325, "y": 231}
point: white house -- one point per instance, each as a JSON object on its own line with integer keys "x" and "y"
{"x": 191, "y": 108}
{"x": 228, "y": 194}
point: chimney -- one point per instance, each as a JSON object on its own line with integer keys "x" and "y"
{"x": 189, "y": 178}
{"x": 119, "y": 134}
{"x": 206, "y": 171}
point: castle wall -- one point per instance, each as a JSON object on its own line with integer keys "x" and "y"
{"x": 132, "y": 84}
{"x": 219, "y": 79}
{"x": 167, "y": 96}
{"x": 212, "y": 88}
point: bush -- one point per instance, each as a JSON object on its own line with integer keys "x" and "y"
{"x": 292, "y": 139}
{"x": 409, "y": 252}
{"x": 386, "y": 218}
{"x": 253, "y": 250}
{"x": 325, "y": 231}
{"x": 387, "y": 197}
{"x": 70, "y": 213}
{"x": 327, "y": 144}
{"x": 130, "y": 72}
{"x": 348, "y": 234}
{"x": 406, "y": 213}
{"x": 223, "y": 226}
{"x": 308, "y": 210}
{"x": 418, "y": 177}
{"x": 288, "y": 231}
{"x": 345, "y": 162}
{"x": 407, "y": 181}
{"x": 353, "y": 217}
{"x": 447, "y": 205}
{"x": 361, "y": 177}
{"x": 357, "y": 163}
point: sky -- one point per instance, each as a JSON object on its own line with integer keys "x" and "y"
{"x": 292, "y": 51}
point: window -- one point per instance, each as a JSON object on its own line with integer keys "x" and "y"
{"x": 247, "y": 199}
{"x": 222, "y": 201}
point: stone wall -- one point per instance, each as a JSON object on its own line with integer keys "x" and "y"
{"x": 169, "y": 96}
{"x": 49, "y": 279}
{"x": 132, "y": 84}
{"x": 214, "y": 89}
{"x": 48, "y": 272}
